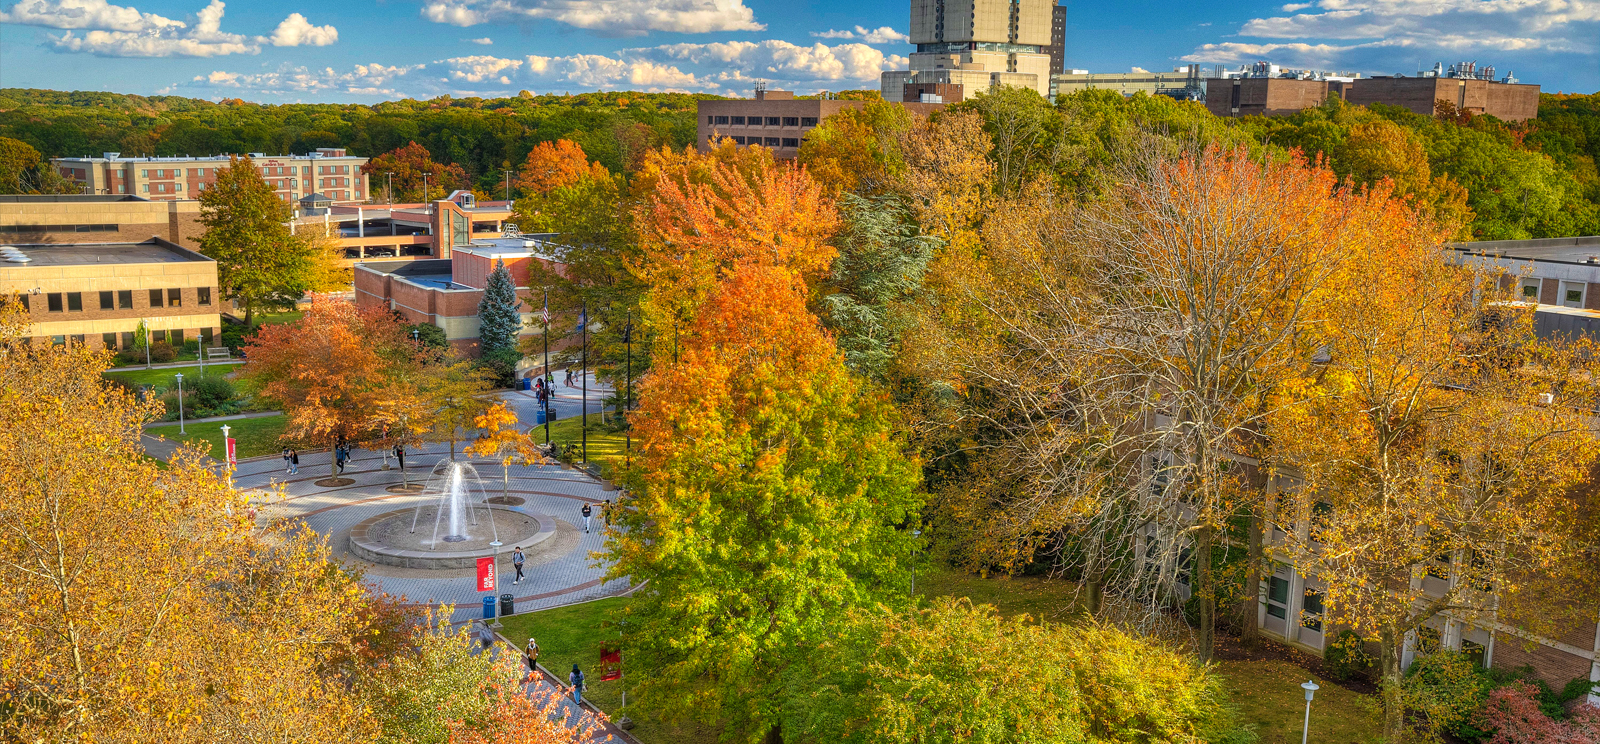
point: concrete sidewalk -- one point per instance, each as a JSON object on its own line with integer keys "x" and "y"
{"x": 234, "y": 417}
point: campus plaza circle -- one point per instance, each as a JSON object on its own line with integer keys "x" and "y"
{"x": 541, "y": 504}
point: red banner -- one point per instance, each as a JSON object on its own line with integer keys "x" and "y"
{"x": 233, "y": 458}
{"x": 486, "y": 574}
{"x": 610, "y": 664}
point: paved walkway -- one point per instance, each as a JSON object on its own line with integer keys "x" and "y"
{"x": 547, "y": 686}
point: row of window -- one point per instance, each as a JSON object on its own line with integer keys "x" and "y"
{"x": 126, "y": 340}
{"x": 56, "y": 228}
{"x": 1568, "y": 294}
{"x": 763, "y": 121}
{"x": 72, "y": 302}
{"x": 764, "y": 141}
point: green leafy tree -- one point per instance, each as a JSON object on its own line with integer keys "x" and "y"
{"x": 259, "y": 263}
{"x": 882, "y": 259}
{"x": 772, "y": 497}
{"x": 412, "y": 169}
{"x": 24, "y": 171}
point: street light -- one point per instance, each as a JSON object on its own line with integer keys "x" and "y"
{"x": 1311, "y": 689}
{"x": 425, "y": 198}
{"x": 180, "y": 404}
{"x": 388, "y": 191}
{"x": 227, "y": 464}
{"x": 915, "y": 534}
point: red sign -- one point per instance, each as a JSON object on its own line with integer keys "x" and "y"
{"x": 486, "y": 574}
{"x": 610, "y": 664}
{"x": 233, "y": 458}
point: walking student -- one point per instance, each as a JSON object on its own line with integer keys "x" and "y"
{"x": 531, "y": 657}
{"x": 586, "y": 514}
{"x": 485, "y": 636}
{"x": 576, "y": 678}
{"x": 294, "y": 462}
{"x": 516, "y": 562}
{"x": 338, "y": 457}
{"x": 287, "y": 467}
{"x": 400, "y": 454}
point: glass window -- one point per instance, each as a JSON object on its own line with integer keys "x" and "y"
{"x": 58, "y": 340}
{"x": 108, "y": 340}
{"x": 791, "y": 141}
{"x": 177, "y": 337}
{"x": 174, "y": 298}
{"x": 722, "y": 120}
{"x": 205, "y": 295}
{"x": 1530, "y": 290}
{"x": 738, "y": 140}
{"x": 1572, "y": 294}
{"x": 54, "y": 298}
{"x": 773, "y": 141}
{"x": 107, "y": 301}
{"x": 206, "y": 337}
{"x": 155, "y": 298}
{"x": 791, "y": 121}
{"x": 808, "y": 121}
{"x": 158, "y": 337}
{"x": 127, "y": 339}
{"x": 773, "y": 121}
{"x": 144, "y": 173}
{"x": 738, "y": 120}
{"x": 23, "y": 296}
{"x": 1278, "y": 597}
{"x": 144, "y": 188}
{"x": 1311, "y": 611}
{"x": 711, "y": 119}
{"x": 124, "y": 299}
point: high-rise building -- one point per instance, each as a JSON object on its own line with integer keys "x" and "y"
{"x": 1058, "y": 39}
{"x": 978, "y": 45}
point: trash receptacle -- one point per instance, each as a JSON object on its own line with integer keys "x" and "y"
{"x": 538, "y": 418}
{"x": 507, "y": 605}
{"x": 488, "y": 607}
{"x": 527, "y": 383}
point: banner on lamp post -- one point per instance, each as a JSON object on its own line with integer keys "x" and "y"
{"x": 486, "y": 574}
{"x": 233, "y": 456}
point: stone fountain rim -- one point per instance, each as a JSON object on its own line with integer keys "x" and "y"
{"x": 377, "y": 552}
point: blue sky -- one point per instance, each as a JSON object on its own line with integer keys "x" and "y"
{"x": 371, "y": 50}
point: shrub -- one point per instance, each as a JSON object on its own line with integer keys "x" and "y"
{"x": 130, "y": 356}
{"x": 1345, "y": 659}
{"x": 1447, "y": 688}
{"x": 161, "y": 351}
{"x": 503, "y": 365}
{"x": 191, "y": 346}
{"x": 429, "y": 335}
{"x": 1514, "y": 715}
{"x": 211, "y": 391}
{"x": 956, "y": 667}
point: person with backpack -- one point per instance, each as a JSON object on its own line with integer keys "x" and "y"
{"x": 576, "y": 678}
{"x": 587, "y": 511}
{"x": 400, "y": 454}
{"x": 530, "y": 656}
{"x": 287, "y": 467}
{"x": 294, "y": 462}
{"x": 338, "y": 457}
{"x": 517, "y": 559}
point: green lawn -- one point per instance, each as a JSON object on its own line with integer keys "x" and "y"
{"x": 253, "y": 436}
{"x": 165, "y": 378}
{"x": 1269, "y": 698}
{"x": 1039, "y": 597}
{"x": 606, "y": 448}
{"x": 573, "y": 635}
{"x": 268, "y": 318}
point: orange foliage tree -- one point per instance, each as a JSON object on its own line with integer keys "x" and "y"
{"x": 705, "y": 214}
{"x": 331, "y": 370}
{"x": 515, "y": 717}
{"x": 553, "y": 165}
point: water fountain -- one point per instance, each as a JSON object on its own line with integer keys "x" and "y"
{"x": 466, "y": 526}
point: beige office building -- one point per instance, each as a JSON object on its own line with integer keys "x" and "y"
{"x": 978, "y": 45}
{"x": 98, "y": 218}
{"x": 98, "y": 294}
{"x": 328, "y": 171}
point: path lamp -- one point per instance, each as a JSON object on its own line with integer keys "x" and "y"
{"x": 1311, "y": 689}
{"x": 180, "y": 404}
{"x": 227, "y": 457}
{"x": 915, "y": 535}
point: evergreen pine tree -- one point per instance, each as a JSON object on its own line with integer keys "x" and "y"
{"x": 499, "y": 315}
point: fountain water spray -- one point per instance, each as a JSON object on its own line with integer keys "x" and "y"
{"x": 460, "y": 499}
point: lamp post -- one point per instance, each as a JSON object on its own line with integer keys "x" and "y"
{"x": 584, "y": 381}
{"x": 546, "y": 372}
{"x": 425, "y": 199}
{"x": 180, "y": 404}
{"x": 1305, "y": 730}
{"x": 227, "y": 459}
{"x": 915, "y": 535}
{"x": 508, "y": 185}
{"x": 388, "y": 190}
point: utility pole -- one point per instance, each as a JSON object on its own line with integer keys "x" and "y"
{"x": 508, "y": 185}
{"x": 388, "y": 191}
{"x": 425, "y": 199}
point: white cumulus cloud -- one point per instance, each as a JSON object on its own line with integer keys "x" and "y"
{"x": 119, "y": 31}
{"x": 297, "y": 31}
{"x": 880, "y": 35}
{"x": 485, "y": 41}
{"x": 608, "y": 17}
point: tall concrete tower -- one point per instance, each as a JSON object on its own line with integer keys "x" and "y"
{"x": 976, "y": 45}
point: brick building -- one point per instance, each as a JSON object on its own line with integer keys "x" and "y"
{"x": 774, "y": 119}
{"x": 446, "y": 292}
{"x": 97, "y": 218}
{"x": 98, "y": 294}
{"x": 1276, "y": 96}
{"x": 409, "y": 231}
{"x": 328, "y": 170}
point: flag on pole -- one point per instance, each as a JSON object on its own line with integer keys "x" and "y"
{"x": 583, "y": 320}
{"x": 610, "y": 664}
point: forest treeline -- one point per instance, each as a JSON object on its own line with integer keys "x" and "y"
{"x": 1529, "y": 180}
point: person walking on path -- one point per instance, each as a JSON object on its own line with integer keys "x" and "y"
{"x": 294, "y": 462}
{"x": 485, "y": 635}
{"x": 531, "y": 657}
{"x": 576, "y": 678}
{"x": 338, "y": 457}
{"x": 400, "y": 454}
{"x": 287, "y": 466}
{"x": 587, "y": 511}
{"x": 516, "y": 562}
{"x": 605, "y": 512}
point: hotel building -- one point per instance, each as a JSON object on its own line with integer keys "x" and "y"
{"x": 329, "y": 171}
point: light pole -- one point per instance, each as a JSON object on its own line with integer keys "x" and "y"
{"x": 1305, "y": 730}
{"x": 425, "y": 199}
{"x": 227, "y": 460}
{"x": 584, "y": 380}
{"x": 508, "y": 185}
{"x": 546, "y": 372}
{"x": 388, "y": 191}
{"x": 180, "y": 404}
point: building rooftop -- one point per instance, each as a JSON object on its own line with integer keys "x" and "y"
{"x": 537, "y": 245}
{"x": 68, "y": 198}
{"x": 1581, "y": 250}
{"x": 154, "y": 250}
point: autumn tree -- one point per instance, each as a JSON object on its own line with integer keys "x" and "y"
{"x": 326, "y": 270}
{"x": 330, "y": 371}
{"x": 259, "y": 263}
{"x": 24, "y": 171}
{"x": 772, "y": 496}
{"x": 1438, "y": 448}
{"x": 858, "y": 149}
{"x": 411, "y": 167}
{"x": 499, "y": 436}
{"x": 515, "y": 716}
{"x": 554, "y": 165}
{"x": 131, "y": 589}
{"x": 455, "y": 392}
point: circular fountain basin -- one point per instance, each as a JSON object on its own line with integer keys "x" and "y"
{"x": 387, "y": 538}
